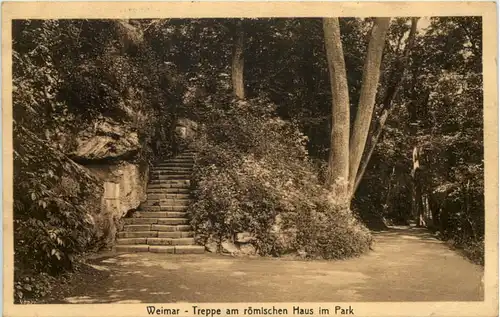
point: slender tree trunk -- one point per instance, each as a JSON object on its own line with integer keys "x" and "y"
{"x": 388, "y": 197}
{"x": 238, "y": 62}
{"x": 392, "y": 90}
{"x": 338, "y": 161}
{"x": 371, "y": 74}
{"x": 429, "y": 221}
{"x": 418, "y": 208}
{"x": 434, "y": 207}
{"x": 371, "y": 149}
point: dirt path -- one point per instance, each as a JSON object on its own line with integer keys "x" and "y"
{"x": 405, "y": 265}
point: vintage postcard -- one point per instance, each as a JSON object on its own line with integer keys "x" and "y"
{"x": 250, "y": 158}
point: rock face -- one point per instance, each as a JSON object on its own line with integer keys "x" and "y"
{"x": 185, "y": 131}
{"x": 106, "y": 140}
{"x": 242, "y": 245}
{"x": 284, "y": 235}
{"x": 125, "y": 187}
{"x": 108, "y": 149}
{"x": 186, "y": 128}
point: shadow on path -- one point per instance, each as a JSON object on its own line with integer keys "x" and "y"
{"x": 407, "y": 264}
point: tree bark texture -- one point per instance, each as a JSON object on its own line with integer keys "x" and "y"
{"x": 418, "y": 206}
{"x": 391, "y": 92}
{"x": 238, "y": 62}
{"x": 371, "y": 75}
{"x": 338, "y": 161}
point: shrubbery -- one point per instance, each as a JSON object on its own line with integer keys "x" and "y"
{"x": 253, "y": 175}
{"x": 54, "y": 201}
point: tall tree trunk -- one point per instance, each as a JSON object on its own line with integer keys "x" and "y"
{"x": 371, "y": 149}
{"x": 418, "y": 206}
{"x": 371, "y": 74}
{"x": 390, "y": 95}
{"x": 338, "y": 161}
{"x": 238, "y": 61}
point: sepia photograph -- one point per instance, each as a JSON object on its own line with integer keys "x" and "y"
{"x": 252, "y": 160}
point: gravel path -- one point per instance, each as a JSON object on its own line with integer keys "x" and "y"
{"x": 407, "y": 264}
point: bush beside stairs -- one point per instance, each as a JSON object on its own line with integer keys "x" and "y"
{"x": 161, "y": 224}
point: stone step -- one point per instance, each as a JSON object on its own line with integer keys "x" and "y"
{"x": 158, "y": 214}
{"x": 175, "y": 234}
{"x": 182, "y": 191}
{"x": 137, "y": 227}
{"x": 154, "y": 213}
{"x": 176, "y": 160}
{"x": 178, "y": 249}
{"x": 169, "y": 195}
{"x": 171, "y": 176}
{"x": 178, "y": 240}
{"x": 162, "y": 184}
{"x": 131, "y": 240}
{"x": 168, "y": 198}
{"x": 171, "y": 170}
{"x": 159, "y": 221}
{"x": 175, "y": 181}
{"x": 189, "y": 249}
{"x": 169, "y": 165}
{"x": 169, "y": 183}
{"x": 182, "y": 159}
{"x": 138, "y": 234}
{"x": 166, "y": 202}
{"x": 174, "y": 165}
{"x": 163, "y": 208}
{"x": 188, "y": 153}
{"x": 161, "y": 199}
{"x": 140, "y": 220}
{"x": 170, "y": 241}
{"x": 182, "y": 176}
{"x": 188, "y": 161}
{"x": 158, "y": 196}
{"x": 170, "y": 228}
{"x": 132, "y": 248}
{"x": 163, "y": 205}
{"x": 173, "y": 221}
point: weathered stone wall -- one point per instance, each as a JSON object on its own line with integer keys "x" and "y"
{"x": 109, "y": 150}
{"x": 125, "y": 187}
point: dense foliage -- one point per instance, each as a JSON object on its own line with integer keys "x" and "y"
{"x": 69, "y": 73}
{"x": 56, "y": 202}
{"x": 254, "y": 175}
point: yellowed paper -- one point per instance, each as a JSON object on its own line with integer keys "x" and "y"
{"x": 112, "y": 10}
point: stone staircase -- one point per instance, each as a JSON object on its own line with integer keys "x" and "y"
{"x": 161, "y": 224}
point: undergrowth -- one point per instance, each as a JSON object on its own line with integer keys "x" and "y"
{"x": 55, "y": 201}
{"x": 253, "y": 174}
